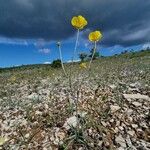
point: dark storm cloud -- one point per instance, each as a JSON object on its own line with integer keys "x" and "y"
{"x": 124, "y": 22}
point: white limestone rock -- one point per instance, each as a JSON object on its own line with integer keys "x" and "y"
{"x": 136, "y": 96}
{"x": 114, "y": 108}
{"x": 70, "y": 122}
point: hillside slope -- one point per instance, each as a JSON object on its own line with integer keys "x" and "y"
{"x": 37, "y": 108}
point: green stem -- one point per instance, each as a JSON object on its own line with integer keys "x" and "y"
{"x": 71, "y": 67}
{"x": 60, "y": 54}
{"x": 94, "y": 50}
{"x": 76, "y": 45}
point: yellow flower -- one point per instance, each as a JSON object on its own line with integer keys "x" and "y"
{"x": 95, "y": 36}
{"x": 83, "y": 66}
{"x": 13, "y": 79}
{"x": 78, "y": 22}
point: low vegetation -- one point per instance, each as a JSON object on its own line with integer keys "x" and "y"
{"x": 38, "y": 109}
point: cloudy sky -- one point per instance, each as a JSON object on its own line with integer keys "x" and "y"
{"x": 29, "y": 29}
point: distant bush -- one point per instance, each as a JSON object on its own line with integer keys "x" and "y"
{"x": 134, "y": 54}
{"x": 125, "y": 52}
{"x": 96, "y": 55}
{"x": 56, "y": 63}
{"x": 82, "y": 56}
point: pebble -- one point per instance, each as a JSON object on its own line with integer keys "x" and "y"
{"x": 121, "y": 141}
{"x": 136, "y": 96}
{"x": 114, "y": 108}
{"x": 70, "y": 122}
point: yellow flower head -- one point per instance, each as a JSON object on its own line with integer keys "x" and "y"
{"x": 83, "y": 66}
{"x": 78, "y": 22}
{"x": 13, "y": 79}
{"x": 95, "y": 36}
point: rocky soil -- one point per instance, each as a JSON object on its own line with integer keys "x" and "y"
{"x": 113, "y": 110}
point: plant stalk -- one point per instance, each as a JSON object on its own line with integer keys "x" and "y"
{"x": 62, "y": 65}
{"x": 94, "y": 50}
{"x": 76, "y": 45}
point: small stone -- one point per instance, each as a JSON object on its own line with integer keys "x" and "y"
{"x": 131, "y": 132}
{"x": 23, "y": 123}
{"x": 129, "y": 100}
{"x": 106, "y": 143}
{"x": 52, "y": 138}
{"x": 139, "y": 130}
{"x": 121, "y": 128}
{"x": 114, "y": 108}
{"x": 27, "y": 135}
{"x": 81, "y": 114}
{"x": 117, "y": 123}
{"x": 92, "y": 144}
{"x": 56, "y": 141}
{"x": 112, "y": 120}
{"x": 103, "y": 123}
{"x": 46, "y": 106}
{"x": 116, "y": 130}
{"x": 90, "y": 132}
{"x": 129, "y": 112}
{"x": 128, "y": 140}
{"x": 61, "y": 135}
{"x": 33, "y": 96}
{"x": 131, "y": 119}
{"x": 143, "y": 124}
{"x": 133, "y": 89}
{"x": 112, "y": 86}
{"x": 81, "y": 148}
{"x": 137, "y": 104}
{"x": 120, "y": 148}
{"x": 100, "y": 143}
{"x": 38, "y": 112}
{"x": 121, "y": 141}
{"x": 134, "y": 126}
{"x": 135, "y": 85}
{"x": 136, "y": 96}
{"x": 71, "y": 122}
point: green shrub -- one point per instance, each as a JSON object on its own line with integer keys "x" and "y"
{"x": 82, "y": 56}
{"x": 56, "y": 63}
{"x": 96, "y": 55}
{"x": 0, "y": 69}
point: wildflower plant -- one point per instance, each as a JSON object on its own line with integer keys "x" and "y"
{"x": 60, "y": 55}
{"x": 78, "y": 22}
{"x": 94, "y": 37}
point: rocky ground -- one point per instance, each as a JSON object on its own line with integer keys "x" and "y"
{"x": 38, "y": 113}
